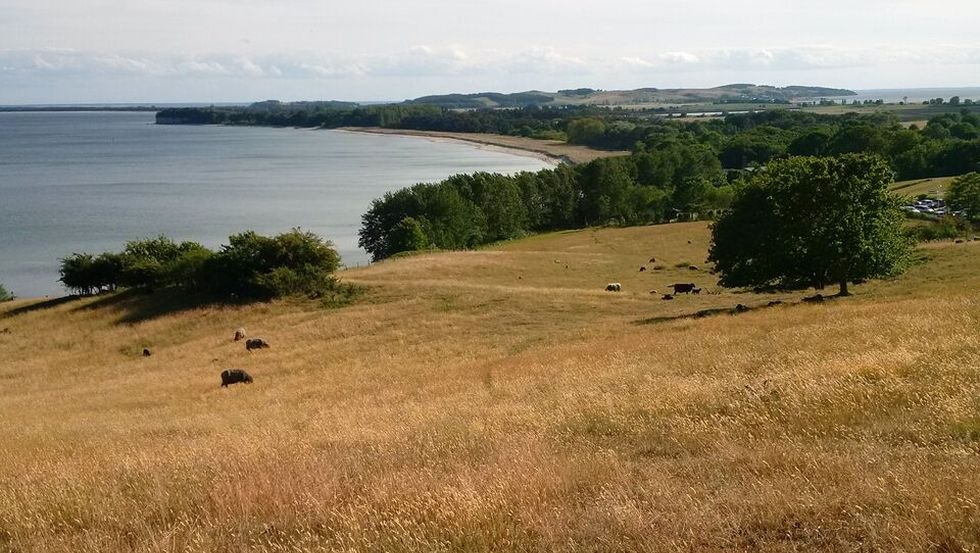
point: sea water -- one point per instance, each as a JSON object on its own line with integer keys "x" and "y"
{"x": 88, "y": 182}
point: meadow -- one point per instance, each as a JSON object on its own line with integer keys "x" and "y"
{"x": 501, "y": 400}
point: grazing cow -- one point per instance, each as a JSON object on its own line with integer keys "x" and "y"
{"x": 146, "y": 352}
{"x": 684, "y": 288}
{"x": 695, "y": 291}
{"x": 958, "y": 241}
{"x": 614, "y": 287}
{"x": 817, "y": 298}
{"x": 255, "y": 343}
{"x": 643, "y": 268}
{"x": 667, "y": 297}
{"x": 741, "y": 308}
{"x": 234, "y": 376}
{"x": 239, "y": 334}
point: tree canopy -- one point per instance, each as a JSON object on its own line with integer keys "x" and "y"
{"x": 812, "y": 221}
{"x": 964, "y": 195}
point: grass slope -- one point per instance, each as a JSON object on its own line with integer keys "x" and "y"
{"x": 934, "y": 187}
{"x": 497, "y": 400}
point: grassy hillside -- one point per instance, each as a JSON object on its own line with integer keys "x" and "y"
{"x": 501, "y": 400}
{"x": 934, "y": 187}
{"x": 641, "y": 96}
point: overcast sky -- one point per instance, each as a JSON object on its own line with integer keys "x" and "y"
{"x": 60, "y": 51}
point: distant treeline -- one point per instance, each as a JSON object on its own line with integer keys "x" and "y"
{"x": 674, "y": 179}
{"x": 534, "y": 122}
{"x": 948, "y": 145}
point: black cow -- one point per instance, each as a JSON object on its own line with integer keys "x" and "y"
{"x": 683, "y": 288}
{"x": 234, "y": 376}
{"x": 255, "y": 343}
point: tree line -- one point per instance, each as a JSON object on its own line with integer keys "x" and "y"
{"x": 676, "y": 179}
{"x": 949, "y": 144}
{"x": 250, "y": 266}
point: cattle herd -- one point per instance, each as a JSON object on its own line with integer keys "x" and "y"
{"x": 692, "y": 288}
{"x": 235, "y": 376}
{"x": 679, "y": 288}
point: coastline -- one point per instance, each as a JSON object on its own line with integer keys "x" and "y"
{"x": 552, "y": 151}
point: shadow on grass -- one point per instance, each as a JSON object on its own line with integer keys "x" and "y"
{"x": 38, "y": 306}
{"x": 737, "y": 310}
{"x": 137, "y": 305}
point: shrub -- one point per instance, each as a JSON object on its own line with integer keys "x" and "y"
{"x": 4, "y": 294}
{"x": 294, "y": 263}
{"x": 78, "y": 273}
{"x": 255, "y": 266}
{"x": 945, "y": 228}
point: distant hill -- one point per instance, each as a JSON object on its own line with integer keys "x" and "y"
{"x": 732, "y": 93}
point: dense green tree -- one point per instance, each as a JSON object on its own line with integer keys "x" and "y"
{"x": 408, "y": 236}
{"x": 585, "y": 131}
{"x": 811, "y": 221}
{"x": 813, "y": 143}
{"x": 4, "y": 294}
{"x": 77, "y": 273}
{"x": 964, "y": 194}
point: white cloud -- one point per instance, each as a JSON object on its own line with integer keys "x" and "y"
{"x": 802, "y": 58}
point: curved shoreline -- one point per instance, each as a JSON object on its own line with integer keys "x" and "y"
{"x": 552, "y": 151}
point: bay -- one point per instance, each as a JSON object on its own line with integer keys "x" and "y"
{"x": 88, "y": 182}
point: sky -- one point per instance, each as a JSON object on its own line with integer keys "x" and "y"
{"x": 109, "y": 51}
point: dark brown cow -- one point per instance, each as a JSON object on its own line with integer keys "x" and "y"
{"x": 234, "y": 376}
{"x": 683, "y": 288}
{"x": 255, "y": 343}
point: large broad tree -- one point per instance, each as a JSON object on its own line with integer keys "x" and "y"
{"x": 964, "y": 195}
{"x": 812, "y": 221}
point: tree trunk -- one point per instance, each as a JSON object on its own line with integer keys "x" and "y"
{"x": 843, "y": 288}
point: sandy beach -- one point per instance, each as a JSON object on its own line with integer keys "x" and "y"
{"x": 549, "y": 150}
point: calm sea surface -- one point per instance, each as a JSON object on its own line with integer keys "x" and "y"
{"x": 88, "y": 182}
{"x": 914, "y": 95}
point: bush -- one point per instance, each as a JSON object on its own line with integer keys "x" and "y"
{"x": 946, "y": 228}
{"x": 4, "y": 294}
{"x": 294, "y": 263}
{"x": 255, "y": 266}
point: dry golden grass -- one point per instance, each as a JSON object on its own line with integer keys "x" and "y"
{"x": 495, "y": 400}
